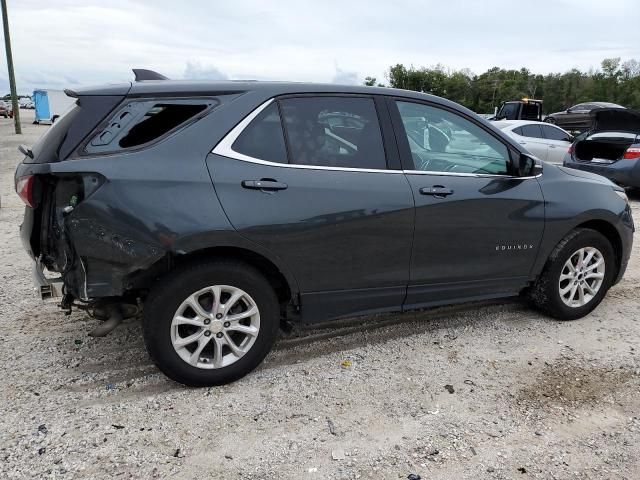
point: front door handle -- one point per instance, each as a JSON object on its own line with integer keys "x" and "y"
{"x": 436, "y": 191}
{"x": 265, "y": 184}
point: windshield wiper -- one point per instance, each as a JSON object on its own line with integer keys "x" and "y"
{"x": 25, "y": 151}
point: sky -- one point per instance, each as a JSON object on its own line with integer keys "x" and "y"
{"x": 66, "y": 43}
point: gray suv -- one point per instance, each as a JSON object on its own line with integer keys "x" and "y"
{"x": 229, "y": 210}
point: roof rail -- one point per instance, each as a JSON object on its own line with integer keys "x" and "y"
{"x": 144, "y": 74}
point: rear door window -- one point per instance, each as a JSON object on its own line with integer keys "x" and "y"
{"x": 553, "y": 133}
{"x": 531, "y": 131}
{"x": 333, "y": 132}
{"x": 263, "y": 138}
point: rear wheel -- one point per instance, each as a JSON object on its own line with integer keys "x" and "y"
{"x": 550, "y": 120}
{"x": 577, "y": 276}
{"x": 212, "y": 323}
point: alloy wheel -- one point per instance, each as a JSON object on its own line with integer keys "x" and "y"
{"x": 581, "y": 277}
{"x": 215, "y": 326}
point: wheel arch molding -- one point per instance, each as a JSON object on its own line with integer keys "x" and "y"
{"x": 272, "y": 267}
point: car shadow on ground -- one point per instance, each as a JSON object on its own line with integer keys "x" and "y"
{"x": 92, "y": 364}
{"x": 346, "y": 334}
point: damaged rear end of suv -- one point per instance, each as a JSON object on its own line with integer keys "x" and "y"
{"x": 52, "y": 191}
{"x": 89, "y": 181}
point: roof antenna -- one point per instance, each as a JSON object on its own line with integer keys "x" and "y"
{"x": 144, "y": 74}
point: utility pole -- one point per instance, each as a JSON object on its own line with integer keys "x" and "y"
{"x": 12, "y": 77}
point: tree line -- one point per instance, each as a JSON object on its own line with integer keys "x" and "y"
{"x": 615, "y": 81}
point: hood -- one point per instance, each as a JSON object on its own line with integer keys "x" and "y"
{"x": 588, "y": 175}
{"x": 615, "y": 119}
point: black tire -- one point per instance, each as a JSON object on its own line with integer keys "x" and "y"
{"x": 545, "y": 294}
{"x": 550, "y": 120}
{"x": 168, "y": 294}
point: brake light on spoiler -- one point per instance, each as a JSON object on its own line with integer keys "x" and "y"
{"x": 632, "y": 153}
{"x": 24, "y": 188}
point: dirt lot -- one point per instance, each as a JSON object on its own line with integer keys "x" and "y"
{"x": 481, "y": 391}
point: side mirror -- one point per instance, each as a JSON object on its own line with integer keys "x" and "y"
{"x": 528, "y": 166}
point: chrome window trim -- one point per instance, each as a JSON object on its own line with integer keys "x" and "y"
{"x": 224, "y": 148}
{"x": 460, "y": 174}
{"x": 456, "y": 174}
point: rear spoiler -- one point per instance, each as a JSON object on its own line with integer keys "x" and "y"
{"x": 144, "y": 74}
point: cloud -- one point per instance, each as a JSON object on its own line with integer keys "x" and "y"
{"x": 195, "y": 71}
{"x": 345, "y": 77}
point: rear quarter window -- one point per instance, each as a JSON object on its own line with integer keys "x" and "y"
{"x": 141, "y": 123}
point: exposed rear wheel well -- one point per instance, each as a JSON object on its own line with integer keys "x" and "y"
{"x": 610, "y": 232}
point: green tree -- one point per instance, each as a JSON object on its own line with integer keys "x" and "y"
{"x": 615, "y": 81}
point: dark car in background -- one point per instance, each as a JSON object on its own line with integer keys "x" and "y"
{"x": 611, "y": 148}
{"x": 578, "y": 118}
{"x": 229, "y": 210}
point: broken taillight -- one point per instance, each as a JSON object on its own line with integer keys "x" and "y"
{"x": 24, "y": 187}
{"x": 632, "y": 153}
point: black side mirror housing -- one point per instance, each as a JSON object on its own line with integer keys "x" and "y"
{"x": 528, "y": 166}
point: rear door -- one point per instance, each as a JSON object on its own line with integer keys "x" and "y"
{"x": 530, "y": 137}
{"x": 558, "y": 141}
{"x": 478, "y": 228}
{"x": 310, "y": 179}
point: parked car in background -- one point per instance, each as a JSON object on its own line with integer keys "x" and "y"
{"x": 6, "y": 110}
{"x": 577, "y": 118}
{"x": 24, "y": 102}
{"x": 233, "y": 209}
{"x": 547, "y": 142}
{"x": 611, "y": 148}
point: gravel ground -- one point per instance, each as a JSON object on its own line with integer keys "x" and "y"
{"x": 489, "y": 390}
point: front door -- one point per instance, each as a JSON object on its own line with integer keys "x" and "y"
{"x": 478, "y": 228}
{"x": 324, "y": 200}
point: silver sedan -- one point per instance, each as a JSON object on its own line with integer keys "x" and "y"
{"x": 547, "y": 142}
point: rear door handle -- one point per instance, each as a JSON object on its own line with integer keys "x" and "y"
{"x": 437, "y": 191}
{"x": 267, "y": 185}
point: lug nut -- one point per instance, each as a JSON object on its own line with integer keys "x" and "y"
{"x": 219, "y": 334}
{"x": 207, "y": 333}
{"x": 227, "y": 324}
{"x": 219, "y": 316}
{"x": 207, "y": 321}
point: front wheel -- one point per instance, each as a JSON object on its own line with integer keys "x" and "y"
{"x": 212, "y": 323}
{"x": 577, "y": 276}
